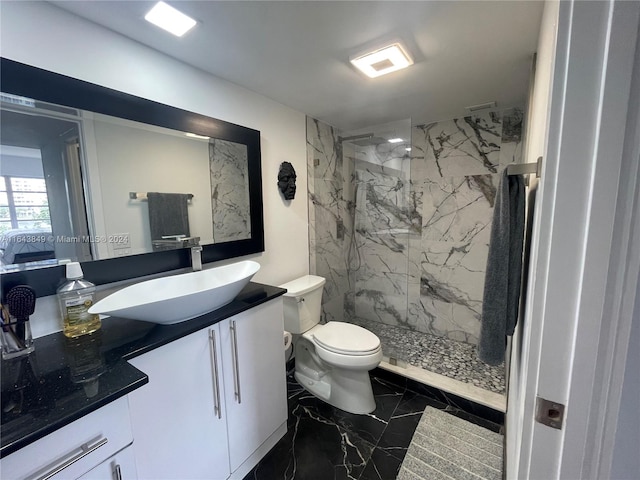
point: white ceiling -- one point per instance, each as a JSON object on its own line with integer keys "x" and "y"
{"x": 297, "y": 52}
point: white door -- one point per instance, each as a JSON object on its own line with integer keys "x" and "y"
{"x": 584, "y": 265}
{"x": 177, "y": 431}
{"x": 254, "y": 378}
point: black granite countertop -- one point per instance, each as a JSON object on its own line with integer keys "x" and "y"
{"x": 65, "y": 379}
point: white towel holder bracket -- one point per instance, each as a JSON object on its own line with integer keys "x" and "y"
{"x": 525, "y": 168}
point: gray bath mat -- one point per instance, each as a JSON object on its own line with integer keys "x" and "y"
{"x": 445, "y": 447}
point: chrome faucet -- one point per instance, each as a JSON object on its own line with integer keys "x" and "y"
{"x": 196, "y": 258}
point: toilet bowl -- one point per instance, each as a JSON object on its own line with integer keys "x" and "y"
{"x": 333, "y": 359}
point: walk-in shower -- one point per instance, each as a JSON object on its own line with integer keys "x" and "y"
{"x": 399, "y": 225}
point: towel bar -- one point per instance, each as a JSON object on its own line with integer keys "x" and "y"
{"x": 143, "y": 195}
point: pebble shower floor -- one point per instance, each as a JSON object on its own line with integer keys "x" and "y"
{"x": 453, "y": 359}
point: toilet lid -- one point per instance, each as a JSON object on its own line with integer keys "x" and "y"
{"x": 347, "y": 338}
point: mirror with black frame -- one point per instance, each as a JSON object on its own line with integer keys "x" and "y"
{"x": 90, "y": 174}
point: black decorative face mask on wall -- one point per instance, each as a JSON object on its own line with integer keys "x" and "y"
{"x": 287, "y": 180}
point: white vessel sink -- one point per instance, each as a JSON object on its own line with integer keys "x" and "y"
{"x": 178, "y": 298}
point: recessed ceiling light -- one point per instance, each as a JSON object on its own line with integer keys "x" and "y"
{"x": 395, "y": 140}
{"x": 383, "y": 60}
{"x": 170, "y": 19}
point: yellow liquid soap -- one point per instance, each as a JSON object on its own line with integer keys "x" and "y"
{"x": 75, "y": 297}
{"x": 73, "y": 328}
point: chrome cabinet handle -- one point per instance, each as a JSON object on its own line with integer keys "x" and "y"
{"x": 214, "y": 369}
{"x": 234, "y": 357}
{"x": 117, "y": 472}
{"x": 85, "y": 449}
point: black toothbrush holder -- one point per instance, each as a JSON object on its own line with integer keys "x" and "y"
{"x": 15, "y": 331}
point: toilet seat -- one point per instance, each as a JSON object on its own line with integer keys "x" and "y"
{"x": 345, "y": 339}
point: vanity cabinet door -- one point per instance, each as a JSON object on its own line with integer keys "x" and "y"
{"x": 179, "y": 427}
{"x": 121, "y": 466}
{"x": 254, "y": 378}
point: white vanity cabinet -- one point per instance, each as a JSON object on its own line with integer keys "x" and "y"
{"x": 216, "y": 399}
{"x": 75, "y": 449}
{"x": 177, "y": 430}
{"x": 255, "y": 383}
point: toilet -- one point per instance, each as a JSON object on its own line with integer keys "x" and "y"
{"x": 332, "y": 360}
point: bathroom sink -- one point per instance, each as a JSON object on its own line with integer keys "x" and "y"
{"x": 178, "y": 298}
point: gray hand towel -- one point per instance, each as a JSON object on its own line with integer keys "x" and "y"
{"x": 504, "y": 270}
{"x": 168, "y": 214}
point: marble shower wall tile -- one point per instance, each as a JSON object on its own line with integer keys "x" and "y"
{"x": 313, "y": 254}
{"x": 387, "y": 155}
{"x": 333, "y": 310}
{"x": 459, "y": 209}
{"x": 350, "y": 306}
{"x": 330, "y": 261}
{"x": 329, "y": 214}
{"x": 448, "y": 300}
{"x": 326, "y": 147}
{"x": 511, "y": 148}
{"x": 381, "y": 307}
{"x": 455, "y": 167}
{"x": 382, "y": 200}
{"x": 462, "y": 146}
{"x": 228, "y": 171}
{"x": 381, "y": 279}
{"x": 383, "y": 223}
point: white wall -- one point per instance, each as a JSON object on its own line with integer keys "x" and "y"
{"x": 42, "y": 35}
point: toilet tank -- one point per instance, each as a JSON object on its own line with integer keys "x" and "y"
{"x": 302, "y": 303}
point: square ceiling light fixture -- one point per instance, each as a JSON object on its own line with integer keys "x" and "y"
{"x": 170, "y": 19}
{"x": 384, "y": 60}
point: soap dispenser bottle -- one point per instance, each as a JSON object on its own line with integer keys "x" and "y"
{"x": 75, "y": 297}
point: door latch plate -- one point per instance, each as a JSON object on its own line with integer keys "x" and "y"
{"x": 549, "y": 413}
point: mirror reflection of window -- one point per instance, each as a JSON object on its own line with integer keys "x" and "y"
{"x": 42, "y": 211}
{"x": 24, "y": 204}
{"x": 25, "y": 218}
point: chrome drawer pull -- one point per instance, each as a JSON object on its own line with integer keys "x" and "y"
{"x": 234, "y": 357}
{"x": 85, "y": 450}
{"x": 117, "y": 472}
{"x": 214, "y": 367}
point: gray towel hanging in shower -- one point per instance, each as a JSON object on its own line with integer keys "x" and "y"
{"x": 504, "y": 270}
{"x": 168, "y": 214}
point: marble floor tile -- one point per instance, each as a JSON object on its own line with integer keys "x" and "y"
{"x": 323, "y": 442}
{"x": 314, "y": 448}
{"x": 369, "y": 427}
{"x": 381, "y": 466}
{"x": 397, "y": 436}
